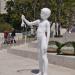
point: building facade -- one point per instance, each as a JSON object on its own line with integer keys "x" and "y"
{"x": 2, "y": 6}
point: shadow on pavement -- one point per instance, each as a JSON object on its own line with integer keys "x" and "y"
{"x": 35, "y": 71}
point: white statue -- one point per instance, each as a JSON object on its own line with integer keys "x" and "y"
{"x": 22, "y": 23}
{"x": 23, "y": 26}
{"x": 43, "y": 35}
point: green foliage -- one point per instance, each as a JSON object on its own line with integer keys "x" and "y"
{"x": 60, "y": 45}
{"x": 15, "y": 20}
{"x": 5, "y": 26}
{"x": 31, "y": 9}
{"x": 14, "y": 11}
{"x": 9, "y": 6}
{"x": 23, "y": 1}
{"x": 51, "y": 42}
{"x": 2, "y": 18}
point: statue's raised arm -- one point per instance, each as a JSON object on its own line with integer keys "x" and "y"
{"x": 36, "y": 22}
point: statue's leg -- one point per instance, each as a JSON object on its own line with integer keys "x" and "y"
{"x": 40, "y": 64}
{"x": 45, "y": 64}
{"x": 40, "y": 57}
{"x": 43, "y": 60}
{"x": 44, "y": 55}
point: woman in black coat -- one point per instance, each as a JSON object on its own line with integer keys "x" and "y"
{"x": 13, "y": 34}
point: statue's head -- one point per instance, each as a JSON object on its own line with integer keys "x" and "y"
{"x": 45, "y": 13}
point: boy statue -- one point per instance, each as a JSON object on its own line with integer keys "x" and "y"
{"x": 43, "y": 35}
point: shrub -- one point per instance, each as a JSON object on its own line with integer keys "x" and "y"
{"x": 5, "y": 26}
{"x": 60, "y": 45}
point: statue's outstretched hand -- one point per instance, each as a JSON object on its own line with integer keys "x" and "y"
{"x": 23, "y": 17}
{"x": 36, "y": 22}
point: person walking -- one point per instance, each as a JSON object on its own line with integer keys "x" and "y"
{"x": 5, "y": 37}
{"x": 13, "y": 34}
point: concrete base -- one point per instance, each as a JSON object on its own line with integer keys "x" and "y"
{"x": 52, "y": 48}
{"x": 28, "y": 52}
{"x": 62, "y": 60}
{"x": 11, "y": 64}
{"x": 67, "y": 50}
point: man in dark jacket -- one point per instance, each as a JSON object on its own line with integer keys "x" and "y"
{"x": 13, "y": 34}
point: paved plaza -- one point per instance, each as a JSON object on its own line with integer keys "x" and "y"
{"x": 14, "y": 61}
{"x": 54, "y": 31}
{"x": 13, "y": 64}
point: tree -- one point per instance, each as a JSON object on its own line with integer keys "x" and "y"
{"x": 31, "y": 8}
